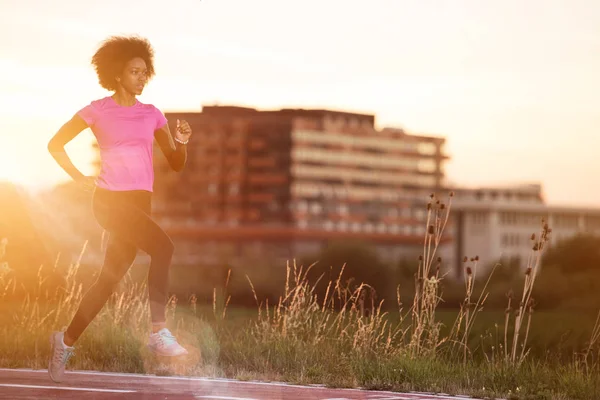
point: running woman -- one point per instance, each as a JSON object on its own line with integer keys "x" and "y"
{"x": 124, "y": 129}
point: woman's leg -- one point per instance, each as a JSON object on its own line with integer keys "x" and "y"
{"x": 126, "y": 216}
{"x": 117, "y": 260}
{"x": 119, "y": 256}
{"x": 135, "y": 226}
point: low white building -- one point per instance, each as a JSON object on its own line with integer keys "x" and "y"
{"x": 496, "y": 224}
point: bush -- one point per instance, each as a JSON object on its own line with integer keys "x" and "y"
{"x": 360, "y": 264}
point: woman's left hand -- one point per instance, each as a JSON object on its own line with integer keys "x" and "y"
{"x": 183, "y": 131}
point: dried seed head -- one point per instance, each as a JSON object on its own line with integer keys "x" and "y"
{"x": 533, "y": 236}
{"x": 531, "y": 305}
{"x": 465, "y": 259}
{"x": 421, "y": 258}
{"x": 439, "y": 259}
{"x": 545, "y": 227}
{"x": 528, "y": 271}
{"x": 432, "y": 195}
{"x": 428, "y": 206}
{"x": 472, "y": 259}
{"x": 536, "y": 247}
{"x": 476, "y": 258}
{"x": 442, "y": 206}
{"x": 469, "y": 271}
{"x": 431, "y": 230}
{"x": 451, "y": 194}
{"x": 437, "y": 202}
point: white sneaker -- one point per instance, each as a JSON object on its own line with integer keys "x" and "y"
{"x": 163, "y": 343}
{"x": 60, "y": 354}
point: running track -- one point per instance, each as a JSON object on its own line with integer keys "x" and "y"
{"x": 36, "y": 384}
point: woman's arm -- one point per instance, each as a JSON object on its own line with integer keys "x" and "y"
{"x": 176, "y": 154}
{"x": 56, "y": 145}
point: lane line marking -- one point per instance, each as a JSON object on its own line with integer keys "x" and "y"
{"x": 224, "y": 398}
{"x": 257, "y": 383}
{"x": 66, "y": 388}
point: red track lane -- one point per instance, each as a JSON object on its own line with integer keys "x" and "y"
{"x": 36, "y": 384}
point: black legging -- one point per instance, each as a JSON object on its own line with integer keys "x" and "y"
{"x": 126, "y": 216}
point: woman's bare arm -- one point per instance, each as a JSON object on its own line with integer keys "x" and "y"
{"x": 56, "y": 145}
{"x": 176, "y": 154}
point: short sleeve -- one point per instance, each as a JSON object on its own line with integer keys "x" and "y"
{"x": 161, "y": 120}
{"x": 89, "y": 114}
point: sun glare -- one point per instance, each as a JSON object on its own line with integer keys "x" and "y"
{"x": 10, "y": 169}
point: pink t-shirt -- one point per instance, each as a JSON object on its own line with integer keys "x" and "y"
{"x": 125, "y": 137}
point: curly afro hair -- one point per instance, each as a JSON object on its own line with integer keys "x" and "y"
{"x": 114, "y": 53}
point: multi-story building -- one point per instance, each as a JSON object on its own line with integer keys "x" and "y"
{"x": 496, "y": 224}
{"x": 285, "y": 182}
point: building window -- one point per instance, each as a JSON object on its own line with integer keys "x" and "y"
{"x": 316, "y": 208}
{"x": 343, "y": 209}
{"x": 427, "y": 148}
{"x": 302, "y": 206}
{"x": 508, "y": 218}
{"x": 478, "y": 218}
{"x": 427, "y": 165}
{"x": 511, "y": 240}
{"x": 274, "y": 206}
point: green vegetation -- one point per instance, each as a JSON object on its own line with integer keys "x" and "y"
{"x": 335, "y": 330}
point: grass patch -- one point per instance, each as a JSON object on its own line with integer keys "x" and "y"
{"x": 337, "y": 339}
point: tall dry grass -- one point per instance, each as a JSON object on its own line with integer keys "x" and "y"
{"x": 341, "y": 338}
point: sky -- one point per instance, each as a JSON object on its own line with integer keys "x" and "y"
{"x": 514, "y": 86}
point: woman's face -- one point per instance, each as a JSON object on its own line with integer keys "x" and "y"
{"x": 134, "y": 78}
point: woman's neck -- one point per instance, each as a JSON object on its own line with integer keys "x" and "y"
{"x": 123, "y": 98}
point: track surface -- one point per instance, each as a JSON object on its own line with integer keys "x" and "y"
{"x": 36, "y": 384}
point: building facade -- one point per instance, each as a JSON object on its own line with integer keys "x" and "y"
{"x": 496, "y": 224}
{"x": 285, "y": 182}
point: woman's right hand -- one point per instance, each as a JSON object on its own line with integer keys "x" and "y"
{"x": 87, "y": 183}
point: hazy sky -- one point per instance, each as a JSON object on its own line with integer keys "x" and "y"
{"x": 514, "y": 86}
